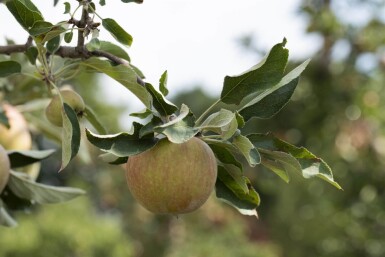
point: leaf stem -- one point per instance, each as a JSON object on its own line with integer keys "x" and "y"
{"x": 92, "y": 118}
{"x": 199, "y": 120}
{"x": 60, "y": 71}
{"x": 31, "y": 75}
{"x": 77, "y": 8}
{"x": 211, "y": 137}
{"x": 93, "y": 10}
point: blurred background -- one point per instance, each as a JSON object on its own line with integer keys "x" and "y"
{"x": 336, "y": 112}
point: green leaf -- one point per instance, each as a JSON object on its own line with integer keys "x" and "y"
{"x": 102, "y": 2}
{"x": 247, "y": 149}
{"x": 67, "y": 7}
{"x": 5, "y": 218}
{"x": 149, "y": 128}
{"x": 161, "y": 104}
{"x": 225, "y": 156}
{"x": 68, "y": 37}
{"x": 93, "y": 119}
{"x": 269, "y": 102}
{"x": 132, "y": 1}
{"x": 93, "y": 7}
{"x": 32, "y": 54}
{"x": 26, "y": 157}
{"x": 231, "y": 174}
{"x": 138, "y": 71}
{"x": 144, "y": 114}
{"x": 114, "y": 49}
{"x": 25, "y": 12}
{"x": 53, "y": 44}
{"x": 113, "y": 159}
{"x": 221, "y": 143}
{"x": 163, "y": 83}
{"x": 53, "y": 35}
{"x": 8, "y": 68}
{"x": 40, "y": 193}
{"x": 93, "y": 45}
{"x": 117, "y": 31}
{"x": 183, "y": 113}
{"x": 180, "y": 129}
{"x": 281, "y": 163}
{"x": 259, "y": 78}
{"x": 122, "y": 144}
{"x": 40, "y": 27}
{"x": 13, "y": 202}
{"x": 228, "y": 190}
{"x": 240, "y": 120}
{"x": 223, "y": 123}
{"x": 124, "y": 75}
{"x": 70, "y": 135}
{"x": 311, "y": 165}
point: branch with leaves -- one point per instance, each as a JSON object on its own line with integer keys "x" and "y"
{"x": 258, "y": 93}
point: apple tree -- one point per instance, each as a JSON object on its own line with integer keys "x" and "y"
{"x": 174, "y": 160}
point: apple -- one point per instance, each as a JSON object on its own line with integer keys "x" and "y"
{"x": 70, "y": 97}
{"x": 172, "y": 178}
{"x": 5, "y": 166}
{"x": 17, "y": 137}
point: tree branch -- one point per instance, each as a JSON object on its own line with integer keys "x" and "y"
{"x": 85, "y": 25}
{"x": 16, "y": 48}
{"x": 82, "y": 23}
{"x": 73, "y": 52}
{"x": 64, "y": 52}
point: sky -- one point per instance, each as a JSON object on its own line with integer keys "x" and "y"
{"x": 196, "y": 41}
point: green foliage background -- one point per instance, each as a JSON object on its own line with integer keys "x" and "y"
{"x": 337, "y": 112}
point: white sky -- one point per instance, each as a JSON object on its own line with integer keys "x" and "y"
{"x": 195, "y": 40}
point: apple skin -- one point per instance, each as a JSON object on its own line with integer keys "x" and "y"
{"x": 17, "y": 137}
{"x": 70, "y": 97}
{"x": 172, "y": 178}
{"x": 5, "y": 166}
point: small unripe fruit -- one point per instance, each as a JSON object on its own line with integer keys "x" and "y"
{"x": 70, "y": 97}
{"x": 17, "y": 137}
{"x": 172, "y": 178}
{"x": 5, "y": 166}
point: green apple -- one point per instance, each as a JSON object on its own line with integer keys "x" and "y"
{"x": 172, "y": 178}
{"x": 5, "y": 166}
{"x": 17, "y": 137}
{"x": 53, "y": 111}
